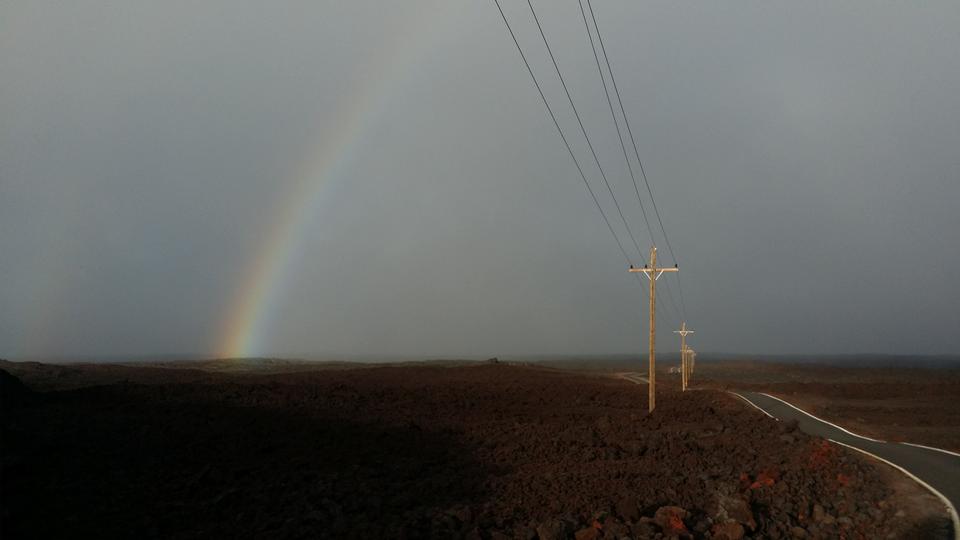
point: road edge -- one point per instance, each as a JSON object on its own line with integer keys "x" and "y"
{"x": 845, "y": 430}
{"x": 951, "y": 509}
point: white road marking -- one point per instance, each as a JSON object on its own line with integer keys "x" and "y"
{"x": 848, "y": 432}
{"x": 752, "y": 404}
{"x": 950, "y": 508}
{"x": 931, "y": 448}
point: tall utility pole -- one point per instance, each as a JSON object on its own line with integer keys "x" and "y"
{"x": 653, "y": 273}
{"x": 683, "y": 353}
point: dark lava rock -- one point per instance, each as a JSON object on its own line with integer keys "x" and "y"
{"x": 644, "y": 529}
{"x": 627, "y": 509}
{"x": 13, "y": 393}
{"x": 670, "y": 519}
{"x": 614, "y": 528}
{"x": 589, "y": 533}
{"x": 730, "y": 530}
{"x": 416, "y": 452}
{"x": 818, "y": 513}
{"x": 734, "y": 507}
{"x": 554, "y": 529}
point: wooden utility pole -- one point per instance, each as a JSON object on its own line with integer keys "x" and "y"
{"x": 692, "y": 361}
{"x": 653, "y": 273}
{"x": 684, "y": 371}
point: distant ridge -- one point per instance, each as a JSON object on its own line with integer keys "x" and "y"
{"x": 569, "y": 361}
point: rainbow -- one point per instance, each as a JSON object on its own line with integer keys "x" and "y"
{"x": 253, "y": 305}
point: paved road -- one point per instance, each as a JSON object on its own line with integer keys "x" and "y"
{"x": 634, "y": 377}
{"x": 938, "y": 469}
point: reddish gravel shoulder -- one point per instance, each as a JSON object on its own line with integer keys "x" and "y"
{"x": 489, "y": 451}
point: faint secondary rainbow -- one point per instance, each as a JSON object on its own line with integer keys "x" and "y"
{"x": 249, "y": 313}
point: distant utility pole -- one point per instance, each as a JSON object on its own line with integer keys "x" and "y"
{"x": 653, "y": 273}
{"x": 693, "y": 361}
{"x": 683, "y": 353}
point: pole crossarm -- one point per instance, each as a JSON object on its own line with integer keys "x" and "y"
{"x": 653, "y": 273}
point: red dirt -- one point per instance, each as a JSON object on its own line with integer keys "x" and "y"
{"x": 490, "y": 451}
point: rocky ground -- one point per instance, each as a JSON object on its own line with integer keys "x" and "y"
{"x": 487, "y": 451}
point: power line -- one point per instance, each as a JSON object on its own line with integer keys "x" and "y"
{"x": 584, "y": 131}
{"x": 623, "y": 147}
{"x": 616, "y": 124}
{"x": 560, "y": 131}
{"x": 636, "y": 152}
{"x": 563, "y": 137}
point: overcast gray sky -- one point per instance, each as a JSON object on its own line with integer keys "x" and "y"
{"x": 381, "y": 178}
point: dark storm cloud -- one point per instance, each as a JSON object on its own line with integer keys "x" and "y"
{"x": 804, "y": 159}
